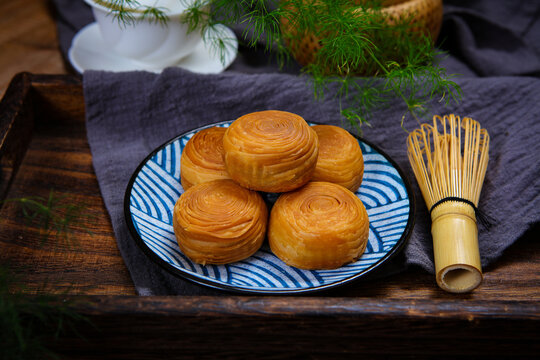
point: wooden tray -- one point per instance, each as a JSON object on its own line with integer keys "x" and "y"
{"x": 43, "y": 147}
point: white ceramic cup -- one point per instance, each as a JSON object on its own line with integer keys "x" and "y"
{"x": 146, "y": 40}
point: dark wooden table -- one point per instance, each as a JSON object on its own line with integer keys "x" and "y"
{"x": 43, "y": 146}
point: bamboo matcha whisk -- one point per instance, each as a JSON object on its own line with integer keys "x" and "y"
{"x": 449, "y": 160}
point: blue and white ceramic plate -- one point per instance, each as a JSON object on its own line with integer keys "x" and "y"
{"x": 155, "y": 187}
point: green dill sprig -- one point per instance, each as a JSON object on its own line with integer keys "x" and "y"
{"x": 219, "y": 41}
{"x": 154, "y": 14}
{"x": 29, "y": 322}
{"x": 266, "y": 27}
{"x": 197, "y": 15}
{"x": 374, "y": 59}
{"x": 53, "y": 216}
{"x": 128, "y": 12}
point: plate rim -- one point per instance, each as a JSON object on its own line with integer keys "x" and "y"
{"x": 396, "y": 249}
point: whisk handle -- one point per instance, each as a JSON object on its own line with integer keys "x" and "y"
{"x": 455, "y": 247}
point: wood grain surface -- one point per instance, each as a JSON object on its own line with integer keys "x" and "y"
{"x": 58, "y": 159}
{"x": 28, "y": 40}
{"x": 85, "y": 259}
{"x": 404, "y": 315}
{"x": 270, "y": 328}
{"x": 43, "y": 147}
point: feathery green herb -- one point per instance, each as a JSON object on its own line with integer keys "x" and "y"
{"x": 371, "y": 58}
{"x": 52, "y": 215}
{"x": 29, "y": 322}
{"x": 126, "y": 11}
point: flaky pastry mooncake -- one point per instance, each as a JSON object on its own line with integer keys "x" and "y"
{"x": 202, "y": 158}
{"x": 322, "y": 225}
{"x": 340, "y": 157}
{"x": 272, "y": 151}
{"x": 219, "y": 222}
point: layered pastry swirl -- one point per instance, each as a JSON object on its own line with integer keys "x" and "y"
{"x": 319, "y": 226}
{"x": 219, "y": 222}
{"x": 202, "y": 158}
{"x": 340, "y": 157}
{"x": 271, "y": 151}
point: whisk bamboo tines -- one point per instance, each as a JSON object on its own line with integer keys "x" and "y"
{"x": 449, "y": 160}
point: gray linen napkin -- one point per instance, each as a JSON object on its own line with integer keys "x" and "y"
{"x": 130, "y": 114}
{"x": 493, "y": 37}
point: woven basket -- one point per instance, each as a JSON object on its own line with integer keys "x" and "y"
{"x": 426, "y": 17}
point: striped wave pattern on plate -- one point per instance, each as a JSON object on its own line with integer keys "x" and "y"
{"x": 157, "y": 188}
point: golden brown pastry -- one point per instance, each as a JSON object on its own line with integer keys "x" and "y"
{"x": 202, "y": 158}
{"x": 340, "y": 157}
{"x": 319, "y": 226}
{"x": 272, "y": 151}
{"x": 219, "y": 222}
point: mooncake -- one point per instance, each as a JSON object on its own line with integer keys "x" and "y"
{"x": 271, "y": 151}
{"x": 219, "y": 222}
{"x": 340, "y": 158}
{"x": 322, "y": 225}
{"x": 202, "y": 158}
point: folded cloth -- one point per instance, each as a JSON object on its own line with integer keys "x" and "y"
{"x": 493, "y": 37}
{"x": 131, "y": 114}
